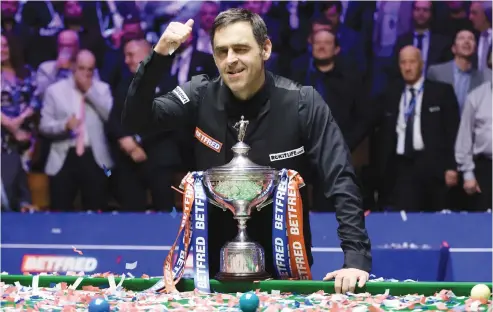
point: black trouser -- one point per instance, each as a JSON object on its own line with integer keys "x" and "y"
{"x": 133, "y": 181}
{"x": 79, "y": 173}
{"x": 416, "y": 187}
{"x": 482, "y": 171}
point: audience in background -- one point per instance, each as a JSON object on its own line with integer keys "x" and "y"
{"x": 361, "y": 56}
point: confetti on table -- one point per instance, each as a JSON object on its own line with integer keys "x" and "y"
{"x": 174, "y": 213}
{"x": 77, "y": 251}
{"x": 403, "y": 216}
{"x": 131, "y": 265}
{"x": 63, "y": 298}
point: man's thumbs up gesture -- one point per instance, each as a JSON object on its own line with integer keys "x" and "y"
{"x": 174, "y": 35}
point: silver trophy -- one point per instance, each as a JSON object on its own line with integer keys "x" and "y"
{"x": 241, "y": 186}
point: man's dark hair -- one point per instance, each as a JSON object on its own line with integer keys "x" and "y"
{"x": 328, "y": 4}
{"x": 320, "y": 20}
{"x": 130, "y": 36}
{"x": 330, "y": 31}
{"x": 236, "y": 15}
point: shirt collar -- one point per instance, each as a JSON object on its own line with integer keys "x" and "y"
{"x": 417, "y": 85}
{"x": 457, "y": 70}
{"x": 425, "y": 34}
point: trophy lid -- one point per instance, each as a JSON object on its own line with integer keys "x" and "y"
{"x": 241, "y": 165}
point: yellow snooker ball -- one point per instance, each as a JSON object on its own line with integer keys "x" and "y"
{"x": 480, "y": 291}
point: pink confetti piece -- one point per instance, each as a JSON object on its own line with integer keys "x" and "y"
{"x": 77, "y": 251}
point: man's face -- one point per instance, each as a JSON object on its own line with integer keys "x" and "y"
{"x": 238, "y": 56}
{"x": 84, "y": 68}
{"x": 323, "y": 46}
{"x": 208, "y": 12}
{"x": 477, "y": 16}
{"x": 465, "y": 44}
{"x": 5, "y": 52}
{"x": 134, "y": 54}
{"x": 410, "y": 65}
{"x": 332, "y": 15}
{"x": 422, "y": 13}
{"x": 9, "y": 9}
{"x": 67, "y": 42}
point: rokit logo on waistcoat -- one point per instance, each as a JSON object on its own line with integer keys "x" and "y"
{"x": 207, "y": 140}
{"x": 287, "y": 154}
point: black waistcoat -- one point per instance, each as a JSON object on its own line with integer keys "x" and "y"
{"x": 273, "y": 128}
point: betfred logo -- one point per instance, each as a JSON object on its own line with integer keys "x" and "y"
{"x": 49, "y": 263}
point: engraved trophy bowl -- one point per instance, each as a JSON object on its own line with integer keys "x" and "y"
{"x": 241, "y": 186}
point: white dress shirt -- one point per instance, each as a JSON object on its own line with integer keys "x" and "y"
{"x": 181, "y": 65}
{"x": 78, "y": 116}
{"x": 401, "y": 122}
{"x": 204, "y": 42}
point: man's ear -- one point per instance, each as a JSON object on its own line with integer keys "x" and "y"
{"x": 267, "y": 50}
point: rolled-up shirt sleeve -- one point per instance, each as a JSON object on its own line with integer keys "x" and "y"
{"x": 330, "y": 157}
{"x": 464, "y": 142}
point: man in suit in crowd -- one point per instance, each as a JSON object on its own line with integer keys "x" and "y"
{"x": 189, "y": 62}
{"x": 146, "y": 160}
{"x": 460, "y": 72}
{"x": 207, "y": 14}
{"x": 480, "y": 16}
{"x": 434, "y": 47}
{"x": 418, "y": 125}
{"x": 351, "y": 43}
{"x": 73, "y": 115}
{"x": 341, "y": 87}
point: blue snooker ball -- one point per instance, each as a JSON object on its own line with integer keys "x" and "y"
{"x": 99, "y": 305}
{"x": 249, "y": 302}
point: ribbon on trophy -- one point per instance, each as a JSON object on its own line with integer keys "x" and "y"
{"x": 192, "y": 233}
{"x": 288, "y": 243}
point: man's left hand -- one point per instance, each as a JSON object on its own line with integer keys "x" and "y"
{"x": 345, "y": 279}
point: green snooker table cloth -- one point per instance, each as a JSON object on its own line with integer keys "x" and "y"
{"x": 74, "y": 293}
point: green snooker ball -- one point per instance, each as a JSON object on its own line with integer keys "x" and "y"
{"x": 249, "y": 302}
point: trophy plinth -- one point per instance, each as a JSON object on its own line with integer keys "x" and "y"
{"x": 241, "y": 186}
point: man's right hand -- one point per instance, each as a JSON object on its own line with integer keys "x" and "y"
{"x": 174, "y": 35}
{"x": 128, "y": 144}
{"x": 72, "y": 124}
{"x": 138, "y": 155}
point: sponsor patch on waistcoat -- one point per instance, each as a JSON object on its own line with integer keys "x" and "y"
{"x": 205, "y": 139}
{"x": 181, "y": 95}
{"x": 287, "y": 154}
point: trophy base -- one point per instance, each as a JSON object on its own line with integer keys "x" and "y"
{"x": 245, "y": 277}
